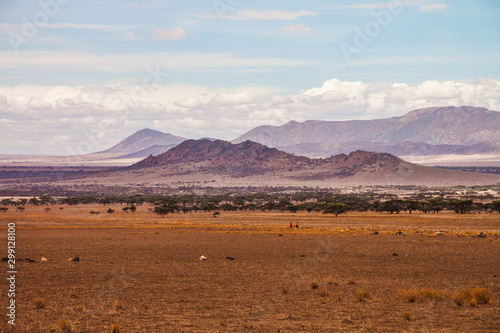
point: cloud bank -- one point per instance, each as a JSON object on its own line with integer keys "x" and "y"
{"x": 56, "y": 119}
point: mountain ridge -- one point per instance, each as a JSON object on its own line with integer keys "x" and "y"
{"x": 463, "y": 125}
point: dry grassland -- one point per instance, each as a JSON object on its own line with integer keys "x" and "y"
{"x": 141, "y": 273}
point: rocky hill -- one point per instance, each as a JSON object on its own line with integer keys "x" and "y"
{"x": 249, "y": 159}
{"x": 243, "y": 159}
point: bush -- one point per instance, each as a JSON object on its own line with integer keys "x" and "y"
{"x": 114, "y": 328}
{"x": 39, "y": 303}
{"x": 363, "y": 295}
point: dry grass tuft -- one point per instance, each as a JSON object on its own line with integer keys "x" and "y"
{"x": 407, "y": 316}
{"x": 413, "y": 295}
{"x": 324, "y": 293}
{"x": 115, "y": 328}
{"x": 434, "y": 294}
{"x": 118, "y": 305}
{"x": 39, "y": 303}
{"x": 331, "y": 281}
{"x": 284, "y": 290}
{"x": 461, "y": 297}
{"x": 363, "y": 295}
{"x": 409, "y": 295}
{"x": 351, "y": 281}
{"x": 65, "y": 326}
{"x": 472, "y": 296}
{"x": 314, "y": 285}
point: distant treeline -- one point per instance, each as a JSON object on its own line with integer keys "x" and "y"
{"x": 493, "y": 170}
{"x": 328, "y": 203}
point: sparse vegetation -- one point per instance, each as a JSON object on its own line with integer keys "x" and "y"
{"x": 118, "y": 305}
{"x": 39, "y": 303}
{"x": 115, "y": 328}
{"x": 65, "y": 326}
{"x": 363, "y": 295}
{"x": 461, "y": 297}
{"x": 339, "y": 257}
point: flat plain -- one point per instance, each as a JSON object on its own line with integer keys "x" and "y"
{"x": 139, "y": 272}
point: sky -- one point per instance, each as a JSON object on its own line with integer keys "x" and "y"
{"x": 79, "y": 76}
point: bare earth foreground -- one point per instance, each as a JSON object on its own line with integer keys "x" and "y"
{"x": 141, "y": 273}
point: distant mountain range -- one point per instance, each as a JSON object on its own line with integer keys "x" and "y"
{"x": 464, "y": 130}
{"x": 429, "y": 131}
{"x": 397, "y": 148}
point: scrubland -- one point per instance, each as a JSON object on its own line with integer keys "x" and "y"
{"x": 139, "y": 272}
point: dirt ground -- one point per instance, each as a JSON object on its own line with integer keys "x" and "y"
{"x": 141, "y": 273}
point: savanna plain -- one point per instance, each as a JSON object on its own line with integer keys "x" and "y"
{"x": 139, "y": 272}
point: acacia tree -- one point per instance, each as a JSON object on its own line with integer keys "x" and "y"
{"x": 495, "y": 206}
{"x": 336, "y": 209}
{"x": 412, "y": 205}
{"x": 393, "y": 205}
{"x": 161, "y": 210}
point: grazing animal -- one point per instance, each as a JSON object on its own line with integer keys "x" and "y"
{"x": 399, "y": 233}
{"x": 43, "y": 259}
{"x": 481, "y": 234}
{"x": 229, "y": 258}
{"x": 374, "y": 232}
{"x": 203, "y": 258}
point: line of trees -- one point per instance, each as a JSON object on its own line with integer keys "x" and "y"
{"x": 328, "y": 203}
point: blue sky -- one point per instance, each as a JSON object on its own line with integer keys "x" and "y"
{"x": 96, "y": 71}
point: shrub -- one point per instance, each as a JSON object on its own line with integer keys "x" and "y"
{"x": 363, "y": 295}
{"x": 470, "y": 296}
{"x": 410, "y": 295}
{"x": 118, "y": 305}
{"x": 115, "y": 328}
{"x": 65, "y": 326}
{"x": 482, "y": 295}
{"x": 39, "y": 303}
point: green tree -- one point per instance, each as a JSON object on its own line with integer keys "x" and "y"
{"x": 336, "y": 209}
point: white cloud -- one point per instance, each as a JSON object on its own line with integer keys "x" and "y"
{"x": 174, "y": 33}
{"x": 233, "y": 99}
{"x": 298, "y": 29}
{"x": 435, "y": 7}
{"x": 267, "y": 14}
{"x": 391, "y": 4}
{"x": 31, "y": 116}
{"x": 118, "y": 62}
{"x": 102, "y": 27}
